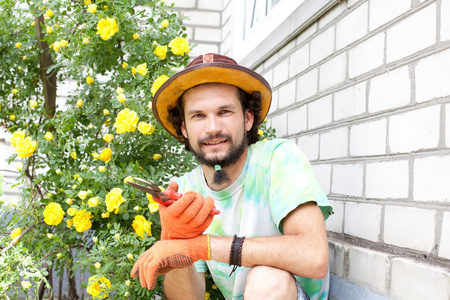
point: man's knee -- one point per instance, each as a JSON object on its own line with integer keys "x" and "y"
{"x": 265, "y": 282}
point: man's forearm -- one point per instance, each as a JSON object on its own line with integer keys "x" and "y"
{"x": 184, "y": 284}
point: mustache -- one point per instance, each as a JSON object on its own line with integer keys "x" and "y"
{"x": 217, "y": 136}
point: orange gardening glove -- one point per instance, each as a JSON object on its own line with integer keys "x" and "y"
{"x": 164, "y": 256}
{"x": 187, "y": 217}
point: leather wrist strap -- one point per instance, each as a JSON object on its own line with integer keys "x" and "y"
{"x": 236, "y": 253}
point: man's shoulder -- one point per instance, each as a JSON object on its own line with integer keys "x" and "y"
{"x": 270, "y": 145}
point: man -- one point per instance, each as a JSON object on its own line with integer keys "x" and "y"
{"x": 269, "y": 240}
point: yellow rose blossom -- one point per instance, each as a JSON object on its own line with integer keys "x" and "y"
{"x": 49, "y": 29}
{"x": 49, "y": 13}
{"x": 141, "y": 226}
{"x": 89, "y": 80}
{"x": 128, "y": 179}
{"x": 53, "y": 213}
{"x": 133, "y": 70}
{"x": 124, "y": 65}
{"x": 106, "y": 28}
{"x": 165, "y": 23}
{"x": 153, "y": 206}
{"x": 142, "y": 69}
{"x": 64, "y": 43}
{"x": 101, "y": 169}
{"x": 207, "y": 295}
{"x": 117, "y": 236}
{"x": 14, "y": 91}
{"x": 158, "y": 82}
{"x": 26, "y": 284}
{"x": 179, "y": 46}
{"x": 69, "y": 201}
{"x": 18, "y": 136}
{"x": 161, "y": 51}
{"x": 135, "y": 36}
{"x": 121, "y": 98}
{"x": 85, "y": 40}
{"x": 80, "y": 103}
{"x": 108, "y": 137}
{"x": 48, "y": 136}
{"x": 25, "y": 148}
{"x": 92, "y": 8}
{"x": 73, "y": 155}
{"x": 24, "y": 57}
{"x": 105, "y": 155}
{"x": 119, "y": 90}
{"x": 72, "y": 211}
{"x": 87, "y": 2}
{"x": 97, "y": 265}
{"x": 19, "y": 166}
{"x": 15, "y": 233}
{"x": 49, "y": 235}
{"x": 93, "y": 202}
{"x": 18, "y": 45}
{"x": 12, "y": 117}
{"x": 82, "y": 195}
{"x": 156, "y": 156}
{"x": 82, "y": 220}
{"x": 69, "y": 223}
{"x": 114, "y": 199}
{"x": 145, "y": 128}
{"x": 260, "y": 132}
{"x": 130, "y": 256}
{"x": 128, "y": 283}
{"x": 126, "y": 121}
{"x": 58, "y": 255}
{"x": 33, "y": 103}
{"x": 57, "y": 45}
{"x": 149, "y": 105}
{"x": 105, "y": 215}
{"x": 105, "y": 112}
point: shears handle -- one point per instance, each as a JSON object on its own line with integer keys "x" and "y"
{"x": 175, "y": 196}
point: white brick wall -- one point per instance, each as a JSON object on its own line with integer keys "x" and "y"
{"x": 352, "y": 27}
{"x": 444, "y": 249}
{"x": 297, "y": 120}
{"x": 363, "y": 221}
{"x": 347, "y": 179}
{"x": 320, "y": 112}
{"x": 431, "y": 179}
{"x": 332, "y": 72}
{"x": 388, "y": 180}
{"x": 366, "y": 56}
{"x": 334, "y": 143}
{"x": 307, "y": 84}
{"x": 379, "y": 15}
{"x": 368, "y": 138}
{"x": 445, "y": 20}
{"x": 350, "y": 102}
{"x": 322, "y": 45}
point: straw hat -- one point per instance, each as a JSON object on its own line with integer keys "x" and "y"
{"x": 208, "y": 68}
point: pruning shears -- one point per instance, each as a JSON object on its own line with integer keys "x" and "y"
{"x": 165, "y": 197}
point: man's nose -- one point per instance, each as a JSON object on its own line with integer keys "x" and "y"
{"x": 213, "y": 125}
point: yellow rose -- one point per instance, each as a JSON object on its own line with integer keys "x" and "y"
{"x": 161, "y": 51}
{"x": 126, "y": 121}
{"x": 92, "y": 8}
{"x": 135, "y": 36}
{"x": 69, "y": 223}
{"x": 260, "y": 132}
{"x": 26, "y": 284}
{"x": 119, "y": 90}
{"x": 165, "y": 23}
{"x": 124, "y": 65}
{"x": 158, "y": 82}
{"x": 145, "y": 128}
{"x": 105, "y": 155}
{"x": 179, "y": 46}
{"x": 57, "y": 45}
{"x": 142, "y": 69}
{"x": 87, "y": 2}
{"x": 19, "y": 166}
{"x": 153, "y": 206}
{"x": 98, "y": 287}
{"x": 82, "y": 195}
{"x": 25, "y": 148}
{"x": 49, "y": 13}
{"x": 128, "y": 179}
{"x": 18, "y": 45}
{"x": 141, "y": 226}
{"x": 49, "y": 29}
{"x": 156, "y": 156}
{"x": 14, "y": 91}
{"x": 69, "y": 201}
{"x": 133, "y": 70}
{"x": 48, "y": 136}
{"x": 80, "y": 103}
{"x": 18, "y": 136}
{"x": 97, "y": 265}
{"x": 15, "y": 233}
{"x": 121, "y": 98}
{"x": 33, "y": 103}
{"x": 101, "y": 169}
{"x": 12, "y": 117}
{"x": 24, "y": 57}
{"x": 82, "y": 220}
{"x": 108, "y": 137}
{"x": 106, "y": 28}
{"x": 114, "y": 199}
{"x": 149, "y": 105}
{"x": 89, "y": 80}
{"x": 105, "y": 215}
{"x": 73, "y": 155}
{"x": 72, "y": 211}
{"x": 93, "y": 202}
{"x": 105, "y": 112}
{"x": 64, "y": 43}
{"x": 85, "y": 40}
{"x": 53, "y": 214}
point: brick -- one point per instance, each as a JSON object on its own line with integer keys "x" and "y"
{"x": 332, "y": 14}
{"x": 432, "y": 75}
{"x": 287, "y": 94}
{"x": 444, "y": 245}
{"x": 347, "y": 179}
{"x": 322, "y": 45}
{"x": 182, "y": 3}
{"x": 368, "y": 267}
{"x": 281, "y": 72}
{"x": 387, "y": 180}
{"x": 431, "y": 176}
{"x": 390, "y": 90}
{"x": 363, "y": 220}
{"x": 287, "y": 48}
{"x": 335, "y": 222}
{"x": 332, "y": 72}
{"x": 323, "y": 176}
{"x": 445, "y": 20}
{"x": 414, "y": 130}
{"x": 210, "y": 4}
{"x": 307, "y": 84}
{"x": 447, "y": 125}
{"x": 334, "y": 143}
{"x": 319, "y": 112}
{"x": 208, "y": 34}
{"x": 380, "y": 15}
{"x": 297, "y": 120}
{"x": 417, "y": 280}
{"x": 310, "y": 146}
{"x": 352, "y": 27}
{"x": 279, "y": 123}
{"x": 337, "y": 257}
{"x": 410, "y": 227}
{"x": 415, "y": 33}
{"x": 307, "y": 33}
{"x": 366, "y": 56}
{"x": 368, "y": 138}
{"x": 299, "y": 60}
{"x": 350, "y": 102}
{"x": 205, "y": 18}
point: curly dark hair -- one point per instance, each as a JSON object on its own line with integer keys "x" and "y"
{"x": 252, "y": 102}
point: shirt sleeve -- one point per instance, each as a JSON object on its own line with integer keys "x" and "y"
{"x": 201, "y": 266}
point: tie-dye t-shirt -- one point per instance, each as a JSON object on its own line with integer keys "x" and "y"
{"x": 276, "y": 178}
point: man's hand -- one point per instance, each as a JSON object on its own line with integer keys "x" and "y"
{"x": 186, "y": 218}
{"x": 164, "y": 256}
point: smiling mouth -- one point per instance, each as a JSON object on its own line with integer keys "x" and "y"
{"x": 212, "y": 143}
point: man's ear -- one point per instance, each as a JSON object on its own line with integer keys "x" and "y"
{"x": 249, "y": 119}
{"x": 183, "y": 130}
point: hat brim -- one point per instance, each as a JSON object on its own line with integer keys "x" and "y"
{"x": 167, "y": 95}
